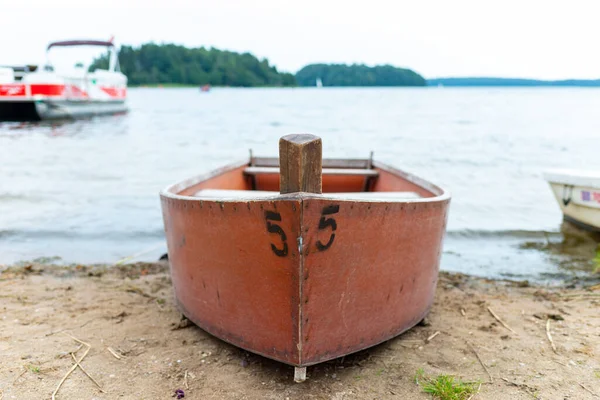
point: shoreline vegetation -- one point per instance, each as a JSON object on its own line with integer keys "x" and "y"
{"x": 170, "y": 65}
{"x": 358, "y": 75}
{"x": 174, "y": 66}
{"x": 495, "y": 339}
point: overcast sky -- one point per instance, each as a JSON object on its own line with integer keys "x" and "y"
{"x": 514, "y": 38}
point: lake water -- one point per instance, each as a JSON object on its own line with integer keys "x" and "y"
{"x": 87, "y": 191}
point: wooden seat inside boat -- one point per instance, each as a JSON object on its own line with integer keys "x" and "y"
{"x": 232, "y": 194}
{"x": 344, "y": 179}
{"x": 338, "y": 175}
{"x": 326, "y": 171}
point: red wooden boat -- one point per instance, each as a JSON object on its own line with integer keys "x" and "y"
{"x": 307, "y": 262}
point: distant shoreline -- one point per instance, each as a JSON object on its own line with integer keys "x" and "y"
{"x": 428, "y": 86}
{"x": 511, "y": 82}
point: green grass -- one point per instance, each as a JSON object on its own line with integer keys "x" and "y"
{"x": 419, "y": 375}
{"x": 34, "y": 368}
{"x": 445, "y": 387}
{"x": 597, "y": 261}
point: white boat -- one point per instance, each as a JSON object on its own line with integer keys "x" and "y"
{"x": 34, "y": 93}
{"x": 319, "y": 83}
{"x": 578, "y": 195}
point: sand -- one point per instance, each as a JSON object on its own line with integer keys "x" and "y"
{"x": 130, "y": 309}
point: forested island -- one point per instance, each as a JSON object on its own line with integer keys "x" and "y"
{"x": 170, "y": 64}
{"x": 516, "y": 82}
{"x": 357, "y": 75}
{"x": 152, "y": 64}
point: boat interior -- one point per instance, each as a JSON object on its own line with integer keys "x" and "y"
{"x": 349, "y": 179}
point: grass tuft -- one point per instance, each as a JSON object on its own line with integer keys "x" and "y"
{"x": 34, "y": 368}
{"x": 446, "y": 387}
{"x": 419, "y": 375}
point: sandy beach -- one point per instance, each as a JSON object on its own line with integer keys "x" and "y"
{"x": 140, "y": 348}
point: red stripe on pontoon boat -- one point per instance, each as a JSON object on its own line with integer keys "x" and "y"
{"x": 47, "y": 90}
{"x": 114, "y": 92}
{"x": 10, "y": 90}
{"x": 73, "y": 91}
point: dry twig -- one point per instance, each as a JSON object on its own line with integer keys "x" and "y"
{"x": 588, "y": 390}
{"x": 499, "y": 320}
{"x": 430, "y": 338}
{"x": 114, "y": 353}
{"x": 62, "y": 330}
{"x": 558, "y": 362}
{"x": 85, "y": 372}
{"x": 185, "y": 380}
{"x": 510, "y": 382}
{"x": 77, "y": 364}
{"x": 550, "y": 336}
{"x": 476, "y": 393}
{"x": 69, "y": 373}
{"x": 20, "y": 375}
{"x": 481, "y": 362}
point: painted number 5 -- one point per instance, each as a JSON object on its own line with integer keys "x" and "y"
{"x": 274, "y": 228}
{"x": 328, "y": 222}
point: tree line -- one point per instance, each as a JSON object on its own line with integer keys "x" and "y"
{"x": 152, "y": 64}
{"x": 169, "y": 63}
{"x": 357, "y": 75}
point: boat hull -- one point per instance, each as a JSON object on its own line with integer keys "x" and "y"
{"x": 36, "y": 110}
{"x": 580, "y": 205}
{"x": 18, "y": 111}
{"x": 303, "y": 278}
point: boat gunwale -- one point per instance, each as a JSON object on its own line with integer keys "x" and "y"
{"x": 172, "y": 190}
{"x": 576, "y": 178}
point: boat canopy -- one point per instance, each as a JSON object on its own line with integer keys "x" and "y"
{"x": 81, "y": 43}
